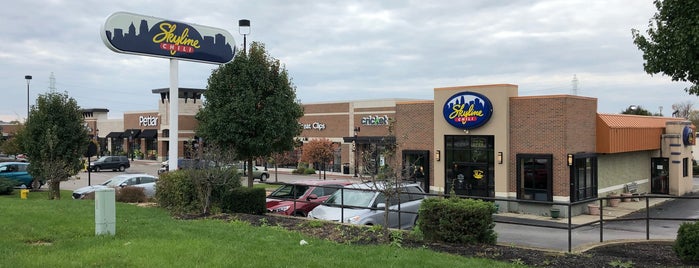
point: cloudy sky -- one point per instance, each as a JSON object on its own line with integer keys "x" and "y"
{"x": 345, "y": 50}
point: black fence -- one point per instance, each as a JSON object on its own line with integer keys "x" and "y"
{"x": 569, "y": 226}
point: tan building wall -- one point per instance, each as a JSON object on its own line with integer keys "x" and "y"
{"x": 497, "y": 126}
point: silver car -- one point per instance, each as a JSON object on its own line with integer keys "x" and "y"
{"x": 118, "y": 181}
{"x": 365, "y": 204}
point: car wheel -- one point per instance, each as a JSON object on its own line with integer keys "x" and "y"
{"x": 122, "y": 168}
{"x": 97, "y": 168}
{"x": 299, "y": 214}
{"x": 263, "y": 177}
{"x": 36, "y": 184}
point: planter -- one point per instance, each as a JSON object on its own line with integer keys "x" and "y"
{"x": 626, "y": 197}
{"x": 555, "y": 213}
{"x": 593, "y": 209}
{"x": 614, "y": 201}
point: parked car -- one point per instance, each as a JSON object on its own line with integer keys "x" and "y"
{"x": 257, "y": 173}
{"x": 17, "y": 171}
{"x": 115, "y": 182}
{"x": 185, "y": 164}
{"x": 367, "y": 205}
{"x": 22, "y": 158}
{"x": 300, "y": 197}
{"x": 148, "y": 188}
{"x": 115, "y": 162}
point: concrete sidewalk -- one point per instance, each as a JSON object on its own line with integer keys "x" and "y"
{"x": 623, "y": 209}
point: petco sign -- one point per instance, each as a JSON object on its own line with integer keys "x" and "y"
{"x": 148, "y": 121}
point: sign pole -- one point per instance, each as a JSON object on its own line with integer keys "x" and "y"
{"x": 174, "y": 116}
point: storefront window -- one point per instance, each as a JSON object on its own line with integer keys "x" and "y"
{"x": 534, "y": 177}
{"x": 584, "y": 177}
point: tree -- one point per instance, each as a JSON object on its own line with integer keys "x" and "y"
{"x": 279, "y": 158}
{"x": 682, "y": 109}
{"x": 636, "y": 110}
{"x": 210, "y": 173}
{"x": 251, "y": 106}
{"x": 318, "y": 151}
{"x": 672, "y": 45}
{"x": 13, "y": 145}
{"x": 55, "y": 139}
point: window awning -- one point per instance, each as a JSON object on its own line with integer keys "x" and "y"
{"x": 148, "y": 134}
{"x": 131, "y": 133}
{"x": 114, "y": 135}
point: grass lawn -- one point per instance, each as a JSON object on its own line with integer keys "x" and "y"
{"x": 37, "y": 232}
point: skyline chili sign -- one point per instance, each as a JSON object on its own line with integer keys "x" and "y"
{"x": 467, "y": 110}
{"x": 130, "y": 33}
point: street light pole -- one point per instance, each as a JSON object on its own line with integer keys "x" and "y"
{"x": 28, "y": 78}
{"x": 244, "y": 29}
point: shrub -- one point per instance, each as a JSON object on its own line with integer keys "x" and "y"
{"x": 300, "y": 170}
{"x": 131, "y": 195}
{"x": 244, "y": 200}
{"x": 309, "y": 171}
{"x": 175, "y": 192}
{"x": 7, "y": 186}
{"x": 457, "y": 220}
{"x": 687, "y": 243}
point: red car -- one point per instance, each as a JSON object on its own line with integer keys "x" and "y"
{"x": 300, "y": 197}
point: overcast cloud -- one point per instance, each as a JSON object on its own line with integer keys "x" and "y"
{"x": 345, "y": 50}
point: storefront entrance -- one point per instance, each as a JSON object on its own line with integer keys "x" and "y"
{"x": 659, "y": 179}
{"x": 416, "y": 167}
{"x": 470, "y": 165}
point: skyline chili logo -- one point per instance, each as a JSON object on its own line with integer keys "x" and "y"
{"x": 130, "y": 33}
{"x": 467, "y": 110}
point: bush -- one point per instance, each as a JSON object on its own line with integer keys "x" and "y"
{"x": 244, "y": 200}
{"x": 175, "y": 192}
{"x": 131, "y": 194}
{"x": 299, "y": 170}
{"x": 457, "y": 220}
{"x": 310, "y": 171}
{"x": 7, "y": 186}
{"x": 687, "y": 243}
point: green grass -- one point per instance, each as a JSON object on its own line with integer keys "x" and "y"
{"x": 37, "y": 232}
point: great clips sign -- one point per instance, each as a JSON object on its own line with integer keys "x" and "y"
{"x": 467, "y": 110}
{"x": 143, "y": 35}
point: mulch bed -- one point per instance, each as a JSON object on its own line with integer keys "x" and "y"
{"x": 626, "y": 254}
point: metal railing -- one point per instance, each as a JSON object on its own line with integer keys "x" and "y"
{"x": 569, "y": 226}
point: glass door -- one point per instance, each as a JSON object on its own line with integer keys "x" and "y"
{"x": 659, "y": 180}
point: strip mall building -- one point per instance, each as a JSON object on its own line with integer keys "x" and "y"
{"x": 475, "y": 140}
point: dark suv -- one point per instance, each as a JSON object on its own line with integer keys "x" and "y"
{"x": 114, "y": 163}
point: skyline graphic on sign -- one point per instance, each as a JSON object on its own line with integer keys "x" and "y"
{"x": 467, "y": 110}
{"x": 175, "y": 39}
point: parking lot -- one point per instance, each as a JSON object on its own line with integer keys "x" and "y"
{"x": 151, "y": 167}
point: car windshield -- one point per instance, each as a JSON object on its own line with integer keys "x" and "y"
{"x": 352, "y": 197}
{"x": 289, "y": 191}
{"x": 114, "y": 181}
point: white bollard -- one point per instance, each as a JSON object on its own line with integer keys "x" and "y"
{"x": 105, "y": 212}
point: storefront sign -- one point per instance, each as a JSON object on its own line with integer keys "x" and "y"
{"x": 688, "y": 136}
{"x": 144, "y": 35}
{"x": 314, "y": 125}
{"x": 148, "y": 121}
{"x": 467, "y": 110}
{"x": 375, "y": 120}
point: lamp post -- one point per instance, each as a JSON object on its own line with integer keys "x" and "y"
{"x": 131, "y": 145}
{"x": 29, "y": 78}
{"x": 244, "y": 29}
